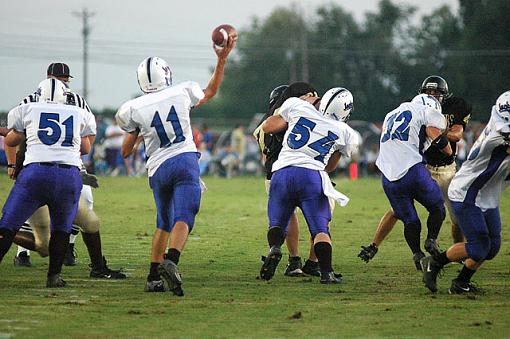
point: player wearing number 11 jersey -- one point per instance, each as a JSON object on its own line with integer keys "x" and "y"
{"x": 162, "y": 118}
{"x": 312, "y": 145}
{"x": 408, "y": 131}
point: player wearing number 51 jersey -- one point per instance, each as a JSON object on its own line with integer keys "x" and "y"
{"x": 162, "y": 118}
{"x": 55, "y": 135}
{"x": 407, "y": 132}
{"x": 312, "y": 145}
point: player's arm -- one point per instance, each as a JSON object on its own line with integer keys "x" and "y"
{"x": 455, "y": 133}
{"x": 4, "y": 131}
{"x": 10, "y": 154}
{"x": 274, "y": 124}
{"x": 333, "y": 161}
{"x": 215, "y": 82}
{"x": 85, "y": 145}
{"x": 129, "y": 143}
{"x": 14, "y": 138}
{"x": 439, "y": 139}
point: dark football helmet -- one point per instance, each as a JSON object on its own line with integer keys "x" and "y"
{"x": 436, "y": 86}
{"x": 276, "y": 93}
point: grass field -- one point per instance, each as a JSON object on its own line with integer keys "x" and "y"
{"x": 223, "y": 297}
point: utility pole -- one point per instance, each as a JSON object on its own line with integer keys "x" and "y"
{"x": 304, "y": 47}
{"x": 85, "y": 15}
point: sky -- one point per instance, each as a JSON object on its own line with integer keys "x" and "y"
{"x": 34, "y": 34}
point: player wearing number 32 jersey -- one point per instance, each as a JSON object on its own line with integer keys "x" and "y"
{"x": 55, "y": 135}
{"x": 407, "y": 132}
{"x": 312, "y": 145}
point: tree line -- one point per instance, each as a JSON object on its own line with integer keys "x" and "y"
{"x": 382, "y": 58}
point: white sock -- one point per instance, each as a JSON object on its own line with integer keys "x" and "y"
{"x": 72, "y": 238}
{"x": 74, "y": 234}
{"x": 22, "y": 249}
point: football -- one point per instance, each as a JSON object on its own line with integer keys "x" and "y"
{"x": 221, "y": 33}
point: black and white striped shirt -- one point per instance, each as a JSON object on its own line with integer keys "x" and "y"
{"x": 73, "y": 99}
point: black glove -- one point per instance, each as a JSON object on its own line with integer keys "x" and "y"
{"x": 89, "y": 179}
{"x": 368, "y": 252}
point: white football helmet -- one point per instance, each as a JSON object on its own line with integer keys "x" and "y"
{"x": 52, "y": 90}
{"x": 154, "y": 74}
{"x": 428, "y": 100}
{"x": 503, "y": 106}
{"x": 337, "y": 104}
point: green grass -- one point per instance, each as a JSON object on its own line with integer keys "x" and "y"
{"x": 220, "y": 264}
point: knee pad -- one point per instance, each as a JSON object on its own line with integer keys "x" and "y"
{"x": 479, "y": 249}
{"x": 495, "y": 246}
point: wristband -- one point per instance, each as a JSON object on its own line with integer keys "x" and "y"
{"x": 441, "y": 141}
{"x": 11, "y": 166}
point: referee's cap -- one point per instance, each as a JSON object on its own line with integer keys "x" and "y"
{"x": 58, "y": 69}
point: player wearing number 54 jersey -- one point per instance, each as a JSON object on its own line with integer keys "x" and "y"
{"x": 162, "y": 118}
{"x": 55, "y": 135}
{"x": 312, "y": 145}
{"x": 408, "y": 131}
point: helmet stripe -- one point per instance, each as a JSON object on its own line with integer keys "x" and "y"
{"x": 149, "y": 69}
{"x": 53, "y": 83}
{"x": 332, "y": 98}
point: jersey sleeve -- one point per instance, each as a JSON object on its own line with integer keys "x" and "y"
{"x": 194, "y": 91}
{"x": 15, "y": 119}
{"x": 349, "y": 143}
{"x": 286, "y": 108}
{"x": 124, "y": 118}
{"x": 434, "y": 119}
{"x": 90, "y": 127}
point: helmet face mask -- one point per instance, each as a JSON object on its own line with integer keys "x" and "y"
{"x": 52, "y": 91}
{"x": 428, "y": 100}
{"x": 276, "y": 93}
{"x": 337, "y": 104}
{"x": 435, "y": 86}
{"x": 154, "y": 74}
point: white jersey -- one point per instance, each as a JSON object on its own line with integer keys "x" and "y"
{"x": 404, "y": 140}
{"x": 481, "y": 179}
{"x": 53, "y": 131}
{"x": 312, "y": 138}
{"x": 163, "y": 120}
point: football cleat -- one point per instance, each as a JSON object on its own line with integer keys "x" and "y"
{"x": 55, "y": 281}
{"x": 70, "y": 258}
{"x": 270, "y": 263}
{"x": 432, "y": 246}
{"x": 417, "y": 258}
{"x": 311, "y": 268}
{"x": 169, "y": 271}
{"x": 155, "y": 286}
{"x": 367, "y": 252}
{"x": 105, "y": 272}
{"x": 22, "y": 260}
{"x": 331, "y": 278}
{"x": 430, "y": 270}
{"x": 461, "y": 287}
{"x": 294, "y": 266}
